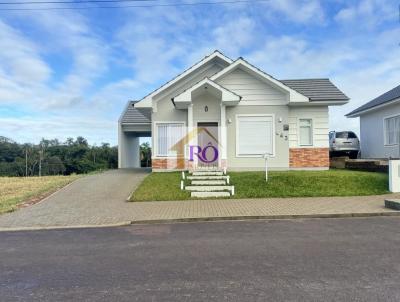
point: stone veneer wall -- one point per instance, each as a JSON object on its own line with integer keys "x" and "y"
{"x": 168, "y": 163}
{"x": 309, "y": 157}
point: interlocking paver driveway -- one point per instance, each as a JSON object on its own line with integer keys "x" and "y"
{"x": 91, "y": 200}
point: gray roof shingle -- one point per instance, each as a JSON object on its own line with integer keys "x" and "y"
{"x": 133, "y": 115}
{"x": 380, "y": 100}
{"x": 317, "y": 89}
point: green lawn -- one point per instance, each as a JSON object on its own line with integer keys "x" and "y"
{"x": 16, "y": 190}
{"x": 166, "y": 186}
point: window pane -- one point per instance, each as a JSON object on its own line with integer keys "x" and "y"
{"x": 168, "y": 136}
{"x": 305, "y": 132}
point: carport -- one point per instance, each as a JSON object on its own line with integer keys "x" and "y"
{"x": 133, "y": 124}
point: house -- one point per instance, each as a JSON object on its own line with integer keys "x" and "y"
{"x": 230, "y": 114}
{"x": 380, "y": 125}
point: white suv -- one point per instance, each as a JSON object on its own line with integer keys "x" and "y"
{"x": 344, "y": 143}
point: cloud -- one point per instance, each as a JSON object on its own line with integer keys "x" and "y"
{"x": 20, "y": 60}
{"x": 32, "y": 129}
{"x": 234, "y": 35}
{"x": 303, "y": 11}
{"x": 367, "y": 13}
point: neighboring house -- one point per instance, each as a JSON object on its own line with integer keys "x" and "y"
{"x": 225, "y": 113}
{"x": 380, "y": 125}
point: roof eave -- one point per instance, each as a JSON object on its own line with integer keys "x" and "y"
{"x": 356, "y": 113}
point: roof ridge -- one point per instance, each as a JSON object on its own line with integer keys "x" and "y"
{"x": 185, "y": 70}
{"x": 302, "y": 79}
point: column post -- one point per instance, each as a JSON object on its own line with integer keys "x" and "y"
{"x": 223, "y": 135}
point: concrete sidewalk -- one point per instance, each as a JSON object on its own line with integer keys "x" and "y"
{"x": 117, "y": 211}
{"x": 270, "y": 208}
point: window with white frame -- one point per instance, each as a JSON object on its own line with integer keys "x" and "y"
{"x": 168, "y": 134}
{"x": 306, "y": 132}
{"x": 254, "y": 135}
{"x": 392, "y": 127}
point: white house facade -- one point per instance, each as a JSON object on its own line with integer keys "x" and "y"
{"x": 380, "y": 126}
{"x": 230, "y": 114}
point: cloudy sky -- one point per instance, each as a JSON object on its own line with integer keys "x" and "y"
{"x": 65, "y": 73}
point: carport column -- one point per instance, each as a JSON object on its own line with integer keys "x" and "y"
{"x": 121, "y": 145}
{"x": 222, "y": 135}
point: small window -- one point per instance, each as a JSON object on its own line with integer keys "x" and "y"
{"x": 305, "y": 132}
{"x": 392, "y": 127}
{"x": 168, "y": 134}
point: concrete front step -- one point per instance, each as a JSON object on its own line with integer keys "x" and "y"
{"x": 201, "y": 173}
{"x": 207, "y": 177}
{"x": 210, "y": 188}
{"x": 210, "y": 194}
{"x": 209, "y": 182}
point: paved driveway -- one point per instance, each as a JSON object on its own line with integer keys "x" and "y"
{"x": 91, "y": 200}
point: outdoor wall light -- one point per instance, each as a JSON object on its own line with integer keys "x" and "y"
{"x": 206, "y": 108}
{"x": 280, "y": 120}
{"x": 229, "y": 120}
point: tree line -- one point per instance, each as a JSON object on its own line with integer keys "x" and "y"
{"x": 52, "y": 157}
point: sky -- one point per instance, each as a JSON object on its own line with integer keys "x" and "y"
{"x": 68, "y": 73}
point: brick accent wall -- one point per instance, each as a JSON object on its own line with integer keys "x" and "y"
{"x": 168, "y": 163}
{"x": 309, "y": 157}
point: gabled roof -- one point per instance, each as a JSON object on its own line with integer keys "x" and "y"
{"x": 133, "y": 115}
{"x": 317, "y": 89}
{"x": 384, "y": 99}
{"x": 184, "y": 98}
{"x": 241, "y": 63}
{"x": 206, "y": 59}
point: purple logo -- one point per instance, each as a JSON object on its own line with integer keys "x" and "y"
{"x": 203, "y": 154}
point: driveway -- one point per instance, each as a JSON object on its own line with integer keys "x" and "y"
{"x": 354, "y": 259}
{"x": 100, "y": 200}
{"x": 91, "y": 200}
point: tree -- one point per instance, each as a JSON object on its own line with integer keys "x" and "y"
{"x": 145, "y": 154}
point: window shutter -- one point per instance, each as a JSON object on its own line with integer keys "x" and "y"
{"x": 255, "y": 135}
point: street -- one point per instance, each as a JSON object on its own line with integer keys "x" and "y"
{"x": 278, "y": 260}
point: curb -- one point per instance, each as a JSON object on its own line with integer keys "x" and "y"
{"x": 83, "y": 226}
{"x": 207, "y": 219}
{"x": 266, "y": 217}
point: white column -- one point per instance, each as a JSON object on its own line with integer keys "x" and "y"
{"x": 223, "y": 132}
{"x": 121, "y": 147}
{"x": 189, "y": 129}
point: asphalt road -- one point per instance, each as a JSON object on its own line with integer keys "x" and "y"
{"x": 298, "y": 260}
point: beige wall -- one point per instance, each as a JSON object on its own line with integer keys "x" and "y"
{"x": 252, "y": 90}
{"x": 214, "y": 109}
{"x": 281, "y": 159}
{"x": 320, "y": 122}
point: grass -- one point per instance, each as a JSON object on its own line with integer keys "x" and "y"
{"x": 166, "y": 186}
{"x": 17, "y": 190}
